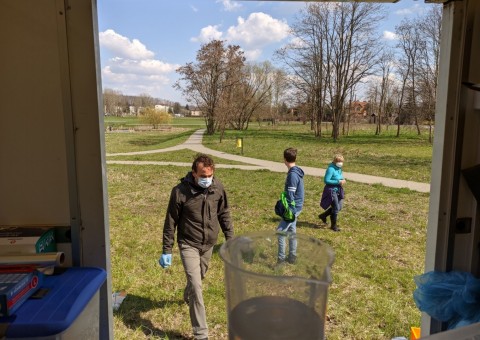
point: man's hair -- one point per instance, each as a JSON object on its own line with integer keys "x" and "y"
{"x": 290, "y": 155}
{"x": 205, "y": 159}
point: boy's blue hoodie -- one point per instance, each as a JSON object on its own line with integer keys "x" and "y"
{"x": 294, "y": 188}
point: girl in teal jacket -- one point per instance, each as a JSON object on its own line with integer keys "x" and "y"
{"x": 333, "y": 193}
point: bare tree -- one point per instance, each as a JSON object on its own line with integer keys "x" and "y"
{"x": 307, "y": 58}
{"x": 403, "y": 70}
{"x": 176, "y": 108}
{"x": 252, "y": 93}
{"x": 335, "y": 49}
{"x": 355, "y": 46}
{"x": 279, "y": 89}
{"x": 113, "y": 102}
{"x": 410, "y": 44}
{"x": 430, "y": 30}
{"x": 233, "y": 77}
{"x": 205, "y": 81}
{"x": 146, "y": 100}
{"x": 385, "y": 64}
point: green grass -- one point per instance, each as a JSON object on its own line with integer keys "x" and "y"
{"x": 184, "y": 155}
{"x": 132, "y": 122}
{"x": 378, "y": 252}
{"x": 407, "y": 157}
{"x": 147, "y": 140}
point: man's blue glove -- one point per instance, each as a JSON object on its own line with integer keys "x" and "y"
{"x": 165, "y": 260}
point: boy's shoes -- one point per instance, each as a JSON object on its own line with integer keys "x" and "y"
{"x": 335, "y": 228}
{"x": 292, "y": 259}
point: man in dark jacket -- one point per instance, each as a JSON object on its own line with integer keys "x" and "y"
{"x": 197, "y": 209}
{"x": 295, "y": 194}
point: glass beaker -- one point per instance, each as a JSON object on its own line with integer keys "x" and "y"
{"x": 268, "y": 299}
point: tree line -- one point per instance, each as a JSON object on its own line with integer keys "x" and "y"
{"x": 336, "y": 56}
{"x": 118, "y": 104}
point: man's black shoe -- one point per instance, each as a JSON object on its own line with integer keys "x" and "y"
{"x": 335, "y": 228}
{"x": 323, "y": 218}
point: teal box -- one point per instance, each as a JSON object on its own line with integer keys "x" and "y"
{"x": 27, "y": 240}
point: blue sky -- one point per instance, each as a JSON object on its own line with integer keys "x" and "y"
{"x": 142, "y": 42}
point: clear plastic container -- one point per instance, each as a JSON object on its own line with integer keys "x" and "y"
{"x": 271, "y": 300}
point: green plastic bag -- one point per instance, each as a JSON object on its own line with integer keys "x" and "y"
{"x": 283, "y": 210}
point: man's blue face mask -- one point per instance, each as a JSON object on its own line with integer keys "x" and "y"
{"x": 205, "y": 182}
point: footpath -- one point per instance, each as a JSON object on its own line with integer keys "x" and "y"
{"x": 194, "y": 142}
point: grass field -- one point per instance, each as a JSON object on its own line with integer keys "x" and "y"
{"x": 132, "y": 122}
{"x": 406, "y": 157}
{"x": 145, "y": 140}
{"x": 378, "y": 252}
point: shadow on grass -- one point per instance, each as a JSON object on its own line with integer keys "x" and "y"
{"x": 318, "y": 225}
{"x": 131, "y": 311}
{"x": 302, "y": 224}
{"x": 156, "y": 140}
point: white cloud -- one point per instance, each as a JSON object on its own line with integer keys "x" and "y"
{"x": 207, "y": 34}
{"x": 297, "y": 42}
{"x": 123, "y": 47}
{"x": 253, "y": 54}
{"x": 229, "y": 5}
{"x": 141, "y": 67}
{"x": 195, "y": 9}
{"x": 415, "y": 9}
{"x": 126, "y": 79}
{"x": 252, "y": 34}
{"x": 387, "y": 35}
{"x": 259, "y": 29}
{"x": 132, "y": 68}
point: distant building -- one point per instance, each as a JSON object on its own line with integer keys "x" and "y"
{"x": 162, "y": 108}
{"x": 196, "y": 113}
{"x": 359, "y": 109}
{"x": 140, "y": 109}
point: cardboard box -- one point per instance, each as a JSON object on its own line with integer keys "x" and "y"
{"x": 27, "y": 240}
{"x": 16, "y": 286}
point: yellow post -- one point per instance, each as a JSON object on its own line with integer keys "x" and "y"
{"x": 240, "y": 143}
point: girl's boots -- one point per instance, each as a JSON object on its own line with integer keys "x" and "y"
{"x": 333, "y": 219}
{"x": 323, "y": 216}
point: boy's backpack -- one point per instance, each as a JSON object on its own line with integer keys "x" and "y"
{"x": 283, "y": 210}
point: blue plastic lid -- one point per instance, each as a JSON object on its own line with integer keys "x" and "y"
{"x": 69, "y": 293}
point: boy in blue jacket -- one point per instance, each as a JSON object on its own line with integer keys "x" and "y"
{"x": 295, "y": 195}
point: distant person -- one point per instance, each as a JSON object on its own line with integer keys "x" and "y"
{"x": 197, "y": 209}
{"x": 295, "y": 195}
{"x": 333, "y": 192}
